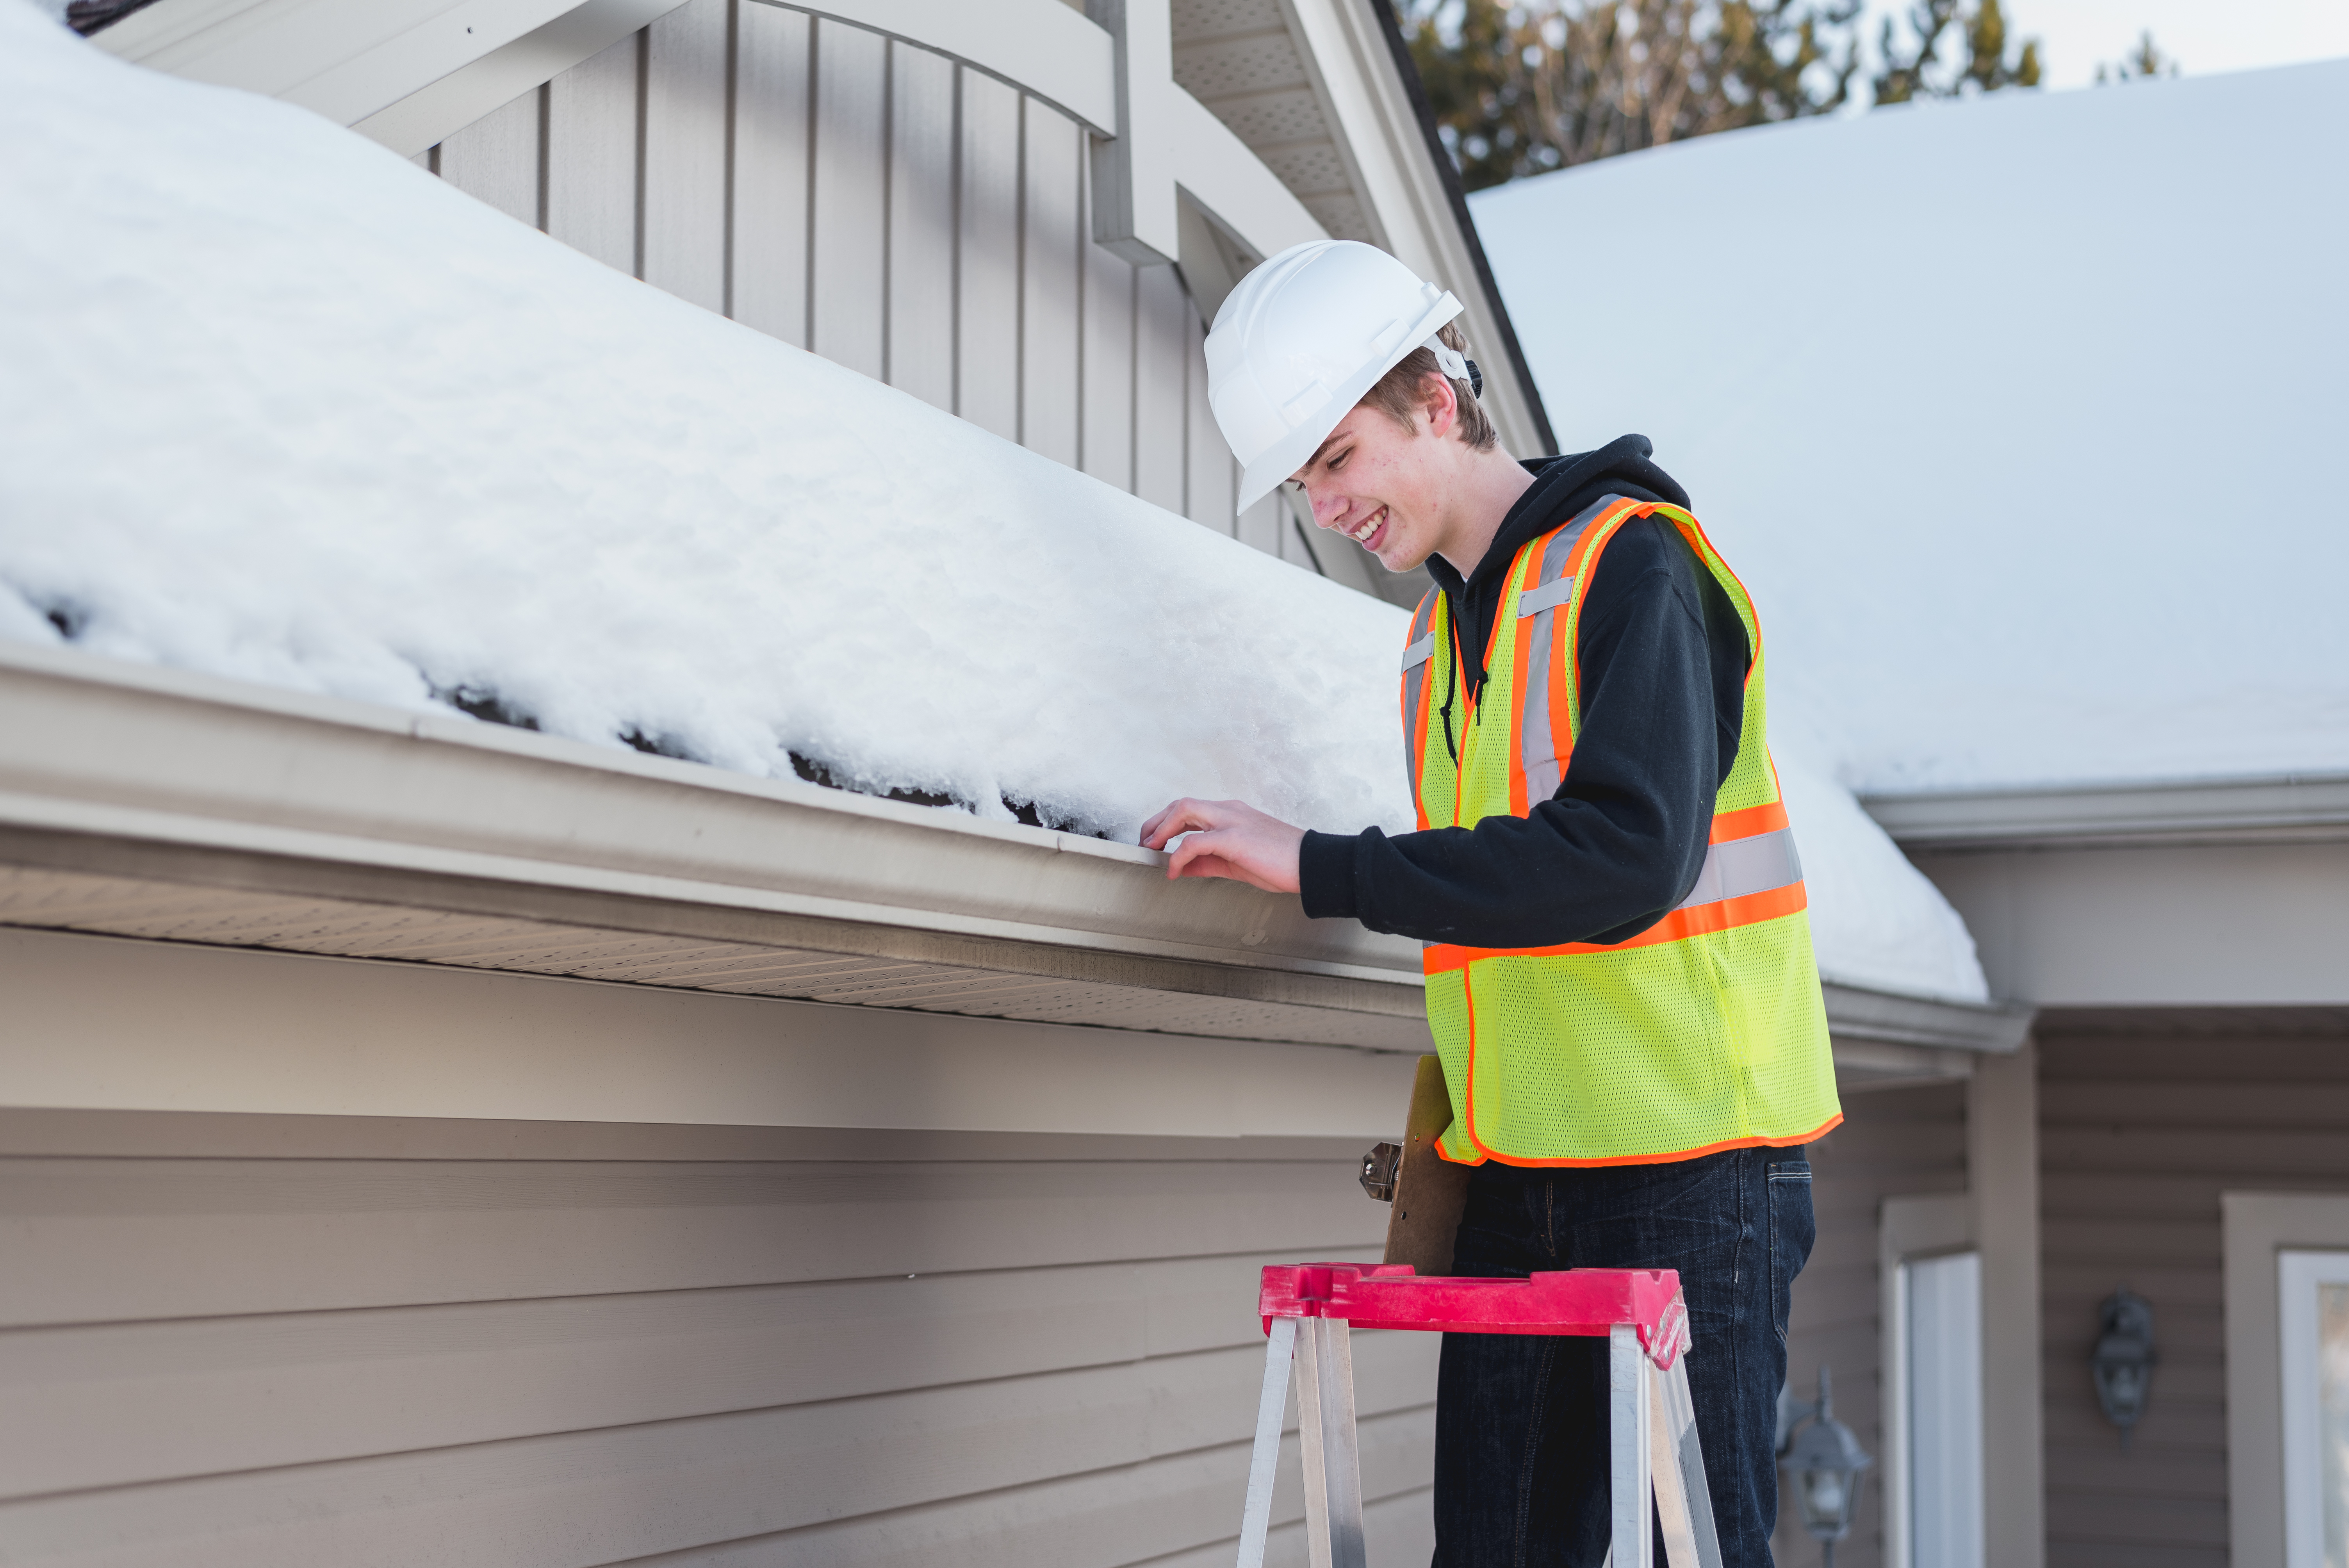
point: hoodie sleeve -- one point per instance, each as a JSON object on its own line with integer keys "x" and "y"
{"x": 1664, "y": 659}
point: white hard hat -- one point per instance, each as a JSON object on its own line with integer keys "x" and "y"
{"x": 1300, "y": 340}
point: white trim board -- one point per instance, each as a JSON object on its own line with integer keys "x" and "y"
{"x": 359, "y": 63}
{"x": 1909, "y": 1229}
{"x": 2257, "y": 1227}
{"x": 2292, "y": 808}
{"x": 102, "y": 1023}
{"x": 2298, "y": 1273}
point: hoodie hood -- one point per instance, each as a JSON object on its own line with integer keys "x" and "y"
{"x": 1562, "y": 487}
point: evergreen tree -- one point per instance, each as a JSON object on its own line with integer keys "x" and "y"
{"x": 1915, "y": 72}
{"x": 2145, "y": 60}
{"x": 1544, "y": 84}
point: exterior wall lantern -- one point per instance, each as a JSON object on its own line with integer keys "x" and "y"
{"x": 1826, "y": 1459}
{"x": 2122, "y": 1362}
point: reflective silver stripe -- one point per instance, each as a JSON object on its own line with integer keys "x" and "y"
{"x": 1538, "y": 748}
{"x": 1743, "y": 866}
{"x": 1414, "y": 687}
{"x": 1549, "y": 596}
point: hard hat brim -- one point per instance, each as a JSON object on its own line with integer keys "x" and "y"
{"x": 1289, "y": 453}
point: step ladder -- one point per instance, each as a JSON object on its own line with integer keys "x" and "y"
{"x": 1309, "y": 1310}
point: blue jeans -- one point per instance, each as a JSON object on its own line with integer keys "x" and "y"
{"x": 1521, "y": 1420}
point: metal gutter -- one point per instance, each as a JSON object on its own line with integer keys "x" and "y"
{"x": 1883, "y": 1017}
{"x": 144, "y": 802}
{"x": 122, "y": 765}
{"x": 2288, "y": 808}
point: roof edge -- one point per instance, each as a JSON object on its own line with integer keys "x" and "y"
{"x": 1458, "y": 196}
{"x": 1857, "y": 1013}
{"x": 2273, "y": 809}
{"x": 175, "y": 763}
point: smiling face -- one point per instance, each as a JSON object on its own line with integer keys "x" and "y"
{"x": 1387, "y": 488}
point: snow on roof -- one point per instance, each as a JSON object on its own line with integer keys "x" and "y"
{"x": 276, "y": 405}
{"x": 2021, "y": 416}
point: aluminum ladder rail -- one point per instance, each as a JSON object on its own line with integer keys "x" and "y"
{"x": 1311, "y": 1309}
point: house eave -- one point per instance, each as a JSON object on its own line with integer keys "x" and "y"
{"x": 145, "y": 801}
{"x": 2287, "y": 809}
{"x": 142, "y": 801}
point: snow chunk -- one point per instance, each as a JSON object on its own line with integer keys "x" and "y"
{"x": 278, "y": 405}
{"x": 2016, "y": 413}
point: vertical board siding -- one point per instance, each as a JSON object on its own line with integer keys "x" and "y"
{"x": 1901, "y": 1142}
{"x": 850, "y": 228}
{"x": 230, "y": 1362}
{"x": 986, "y": 314}
{"x": 592, "y": 117}
{"x": 1162, "y": 393}
{"x": 1211, "y": 485}
{"x": 921, "y": 304}
{"x": 1107, "y": 421}
{"x": 772, "y": 137}
{"x": 2139, "y": 1133}
{"x": 903, "y": 216}
{"x": 1050, "y": 282}
{"x": 496, "y": 159}
{"x": 687, "y": 83}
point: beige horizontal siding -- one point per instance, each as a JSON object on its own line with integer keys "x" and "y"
{"x": 2143, "y": 1124}
{"x": 1035, "y": 1355}
{"x": 1892, "y": 1143}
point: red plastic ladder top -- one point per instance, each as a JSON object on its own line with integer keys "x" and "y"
{"x": 1575, "y": 1301}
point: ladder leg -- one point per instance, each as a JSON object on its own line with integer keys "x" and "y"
{"x": 1628, "y": 1373}
{"x": 1333, "y": 1473}
{"x": 1682, "y": 1494}
{"x": 1281, "y": 1345}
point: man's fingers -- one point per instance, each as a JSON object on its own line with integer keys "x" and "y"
{"x": 1184, "y": 816}
{"x": 1197, "y": 846}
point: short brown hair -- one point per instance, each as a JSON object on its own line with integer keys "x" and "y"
{"x": 1400, "y": 394}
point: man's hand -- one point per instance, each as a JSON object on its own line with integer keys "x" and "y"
{"x": 1228, "y": 839}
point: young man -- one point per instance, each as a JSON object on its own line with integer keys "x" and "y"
{"x": 1620, "y": 974}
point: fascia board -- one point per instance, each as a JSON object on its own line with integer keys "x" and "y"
{"x": 1220, "y": 173}
{"x": 1379, "y": 134}
{"x": 1856, "y": 1014}
{"x": 345, "y": 59}
{"x": 134, "y": 768}
{"x": 2312, "y": 808}
{"x": 127, "y": 753}
{"x": 402, "y": 71}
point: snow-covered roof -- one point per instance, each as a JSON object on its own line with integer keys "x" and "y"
{"x": 2020, "y": 414}
{"x": 278, "y": 405}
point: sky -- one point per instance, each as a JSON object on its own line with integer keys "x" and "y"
{"x": 2203, "y": 37}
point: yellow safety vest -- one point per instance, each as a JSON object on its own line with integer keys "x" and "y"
{"x": 1705, "y": 1032}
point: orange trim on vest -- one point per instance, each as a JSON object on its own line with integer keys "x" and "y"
{"x": 1697, "y": 920}
{"x": 1673, "y": 1156}
{"x": 1751, "y": 822}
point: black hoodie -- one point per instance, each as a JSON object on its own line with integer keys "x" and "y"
{"x": 1664, "y": 658}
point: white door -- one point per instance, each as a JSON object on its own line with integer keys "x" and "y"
{"x": 2312, "y": 1298}
{"x": 1942, "y": 1303}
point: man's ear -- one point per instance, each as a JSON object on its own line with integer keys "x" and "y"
{"x": 1443, "y": 404}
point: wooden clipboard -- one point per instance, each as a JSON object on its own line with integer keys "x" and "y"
{"x": 1430, "y": 1191}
